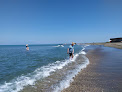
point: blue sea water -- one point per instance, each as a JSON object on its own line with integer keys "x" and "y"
{"x": 19, "y": 65}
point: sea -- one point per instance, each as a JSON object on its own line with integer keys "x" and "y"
{"x": 44, "y": 68}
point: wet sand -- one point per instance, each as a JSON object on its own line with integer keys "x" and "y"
{"x": 115, "y": 45}
{"x": 59, "y": 79}
{"x": 103, "y": 74}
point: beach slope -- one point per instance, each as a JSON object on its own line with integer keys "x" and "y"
{"x": 103, "y": 74}
{"x": 115, "y": 45}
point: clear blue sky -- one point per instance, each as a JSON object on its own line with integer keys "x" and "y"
{"x": 59, "y": 21}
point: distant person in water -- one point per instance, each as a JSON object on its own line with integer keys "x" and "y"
{"x": 27, "y": 48}
{"x": 70, "y": 50}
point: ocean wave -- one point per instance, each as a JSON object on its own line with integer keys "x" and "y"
{"x": 69, "y": 78}
{"x": 19, "y": 83}
{"x": 58, "y": 46}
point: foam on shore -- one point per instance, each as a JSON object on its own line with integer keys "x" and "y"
{"x": 20, "y": 82}
{"x": 69, "y": 78}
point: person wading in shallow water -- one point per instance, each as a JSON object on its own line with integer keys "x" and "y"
{"x": 27, "y": 48}
{"x": 70, "y": 50}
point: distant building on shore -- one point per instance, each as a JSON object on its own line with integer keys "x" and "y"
{"x": 116, "y": 39}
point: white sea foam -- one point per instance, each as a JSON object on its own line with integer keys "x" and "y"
{"x": 18, "y": 83}
{"x": 69, "y": 78}
{"x": 58, "y": 46}
{"x": 82, "y": 52}
{"x": 87, "y": 45}
{"x": 62, "y": 45}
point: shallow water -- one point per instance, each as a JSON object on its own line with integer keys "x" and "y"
{"x": 20, "y": 68}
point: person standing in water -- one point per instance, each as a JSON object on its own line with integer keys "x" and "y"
{"x": 70, "y": 50}
{"x": 27, "y": 48}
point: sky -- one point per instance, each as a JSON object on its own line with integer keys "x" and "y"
{"x": 59, "y": 21}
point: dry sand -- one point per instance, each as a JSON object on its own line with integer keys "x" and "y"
{"x": 95, "y": 78}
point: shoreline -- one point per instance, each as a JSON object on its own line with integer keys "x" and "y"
{"x": 114, "y": 44}
{"x": 95, "y": 77}
{"x": 61, "y": 78}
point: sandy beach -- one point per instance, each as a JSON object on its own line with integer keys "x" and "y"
{"x": 61, "y": 46}
{"x": 115, "y": 45}
{"x": 103, "y": 74}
